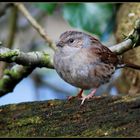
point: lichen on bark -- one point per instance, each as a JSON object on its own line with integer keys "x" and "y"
{"x": 100, "y": 117}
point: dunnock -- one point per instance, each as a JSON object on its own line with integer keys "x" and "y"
{"x": 82, "y": 61}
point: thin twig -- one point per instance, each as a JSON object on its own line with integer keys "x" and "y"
{"x": 3, "y": 7}
{"x": 35, "y": 24}
{"x": 12, "y": 26}
{"x": 11, "y": 35}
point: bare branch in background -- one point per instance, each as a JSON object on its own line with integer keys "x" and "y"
{"x": 4, "y": 7}
{"x": 12, "y": 18}
{"x": 35, "y": 24}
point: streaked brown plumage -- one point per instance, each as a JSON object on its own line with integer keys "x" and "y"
{"x": 84, "y": 62}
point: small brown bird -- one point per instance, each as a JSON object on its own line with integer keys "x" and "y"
{"x": 82, "y": 61}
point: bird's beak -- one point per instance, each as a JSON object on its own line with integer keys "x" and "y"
{"x": 59, "y": 44}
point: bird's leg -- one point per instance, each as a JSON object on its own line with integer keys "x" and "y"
{"x": 79, "y": 95}
{"x": 88, "y": 96}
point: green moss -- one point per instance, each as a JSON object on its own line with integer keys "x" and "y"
{"x": 26, "y": 121}
{"x": 9, "y": 54}
{"x": 103, "y": 117}
{"x": 47, "y": 60}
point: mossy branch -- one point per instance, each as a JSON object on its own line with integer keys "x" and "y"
{"x": 32, "y": 59}
{"x": 12, "y": 77}
{"x": 29, "y": 60}
{"x": 131, "y": 41}
{"x": 99, "y": 117}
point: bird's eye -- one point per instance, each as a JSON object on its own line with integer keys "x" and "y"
{"x": 71, "y": 40}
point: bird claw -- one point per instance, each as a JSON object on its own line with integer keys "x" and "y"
{"x": 86, "y": 97}
{"x": 83, "y": 98}
{"x": 79, "y": 95}
{"x": 72, "y": 97}
{"x": 91, "y": 95}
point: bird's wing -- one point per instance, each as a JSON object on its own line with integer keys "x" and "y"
{"x": 104, "y": 53}
{"x": 107, "y": 56}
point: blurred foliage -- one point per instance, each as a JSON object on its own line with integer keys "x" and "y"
{"x": 92, "y": 17}
{"x": 49, "y": 7}
{"x": 87, "y": 16}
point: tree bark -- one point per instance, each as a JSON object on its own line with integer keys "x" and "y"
{"x": 129, "y": 81}
{"x": 100, "y": 117}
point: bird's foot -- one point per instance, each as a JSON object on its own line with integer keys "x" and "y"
{"x": 91, "y": 95}
{"x": 79, "y": 96}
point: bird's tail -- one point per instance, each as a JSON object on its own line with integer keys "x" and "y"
{"x": 129, "y": 65}
{"x": 134, "y": 66}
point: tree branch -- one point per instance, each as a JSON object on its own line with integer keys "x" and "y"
{"x": 103, "y": 117}
{"x": 11, "y": 35}
{"x": 122, "y": 47}
{"x": 4, "y": 6}
{"x": 32, "y": 59}
{"x": 35, "y": 24}
{"x": 12, "y": 77}
{"x": 13, "y": 17}
{"x": 131, "y": 41}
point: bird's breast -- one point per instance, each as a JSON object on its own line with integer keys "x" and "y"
{"x": 80, "y": 72}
